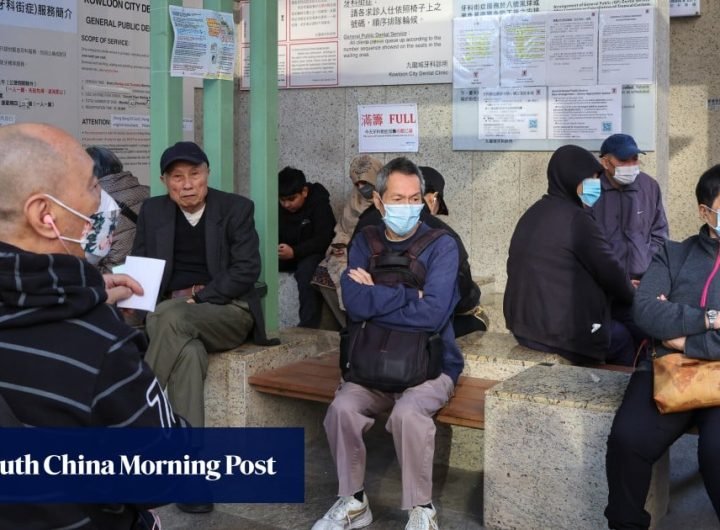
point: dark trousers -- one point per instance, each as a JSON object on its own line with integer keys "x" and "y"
{"x": 310, "y": 298}
{"x": 639, "y": 436}
{"x": 621, "y": 350}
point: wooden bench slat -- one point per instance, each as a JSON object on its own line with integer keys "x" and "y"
{"x": 317, "y": 378}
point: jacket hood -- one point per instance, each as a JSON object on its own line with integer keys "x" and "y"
{"x": 38, "y": 288}
{"x": 568, "y": 167}
{"x": 317, "y": 193}
{"x": 124, "y": 180}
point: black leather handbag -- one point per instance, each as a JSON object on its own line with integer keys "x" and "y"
{"x": 387, "y": 359}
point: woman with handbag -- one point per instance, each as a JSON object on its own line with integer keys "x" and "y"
{"x": 677, "y": 304}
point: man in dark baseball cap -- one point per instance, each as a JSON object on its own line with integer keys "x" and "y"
{"x": 630, "y": 213}
{"x": 185, "y": 152}
{"x": 208, "y": 301}
{"x": 621, "y": 146}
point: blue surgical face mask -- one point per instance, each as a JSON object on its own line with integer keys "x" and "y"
{"x": 590, "y": 191}
{"x": 402, "y": 218}
{"x": 717, "y": 225}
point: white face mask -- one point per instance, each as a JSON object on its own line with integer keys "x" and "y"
{"x": 626, "y": 174}
{"x": 96, "y": 238}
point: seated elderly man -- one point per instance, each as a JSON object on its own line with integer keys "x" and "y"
{"x": 208, "y": 302}
{"x": 66, "y": 357}
{"x": 402, "y": 314}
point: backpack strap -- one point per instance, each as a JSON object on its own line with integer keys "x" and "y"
{"x": 375, "y": 239}
{"x": 127, "y": 212}
{"x": 420, "y": 244}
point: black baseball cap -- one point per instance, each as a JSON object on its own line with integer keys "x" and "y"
{"x": 183, "y": 151}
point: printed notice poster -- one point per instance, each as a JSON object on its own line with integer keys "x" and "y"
{"x": 34, "y": 47}
{"x": 684, "y": 8}
{"x": 513, "y": 113}
{"x": 115, "y": 81}
{"x": 626, "y": 46}
{"x": 388, "y": 128}
{"x": 204, "y": 44}
{"x": 332, "y": 43}
{"x": 584, "y": 112}
{"x": 572, "y": 48}
{"x": 522, "y": 50}
{"x": 387, "y": 44}
{"x": 476, "y": 52}
{"x": 473, "y": 8}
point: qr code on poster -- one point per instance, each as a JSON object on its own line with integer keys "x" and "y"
{"x": 607, "y": 126}
{"x": 532, "y": 124}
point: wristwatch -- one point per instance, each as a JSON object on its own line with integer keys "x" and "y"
{"x": 712, "y": 316}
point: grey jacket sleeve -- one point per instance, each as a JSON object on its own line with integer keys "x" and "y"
{"x": 659, "y": 230}
{"x": 664, "y": 319}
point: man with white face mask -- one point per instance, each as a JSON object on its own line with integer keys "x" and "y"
{"x": 630, "y": 213}
{"x": 630, "y": 210}
{"x": 66, "y": 357}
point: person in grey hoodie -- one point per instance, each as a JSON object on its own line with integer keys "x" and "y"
{"x": 677, "y": 304}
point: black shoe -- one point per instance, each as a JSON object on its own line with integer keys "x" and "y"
{"x": 206, "y": 507}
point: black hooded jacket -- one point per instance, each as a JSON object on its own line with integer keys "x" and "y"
{"x": 561, "y": 270}
{"x": 67, "y": 359}
{"x": 311, "y": 229}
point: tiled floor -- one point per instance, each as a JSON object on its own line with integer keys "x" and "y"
{"x": 458, "y": 495}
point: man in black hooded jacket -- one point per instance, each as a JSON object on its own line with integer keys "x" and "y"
{"x": 562, "y": 273}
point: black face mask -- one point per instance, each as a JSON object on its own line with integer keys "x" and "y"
{"x": 366, "y": 190}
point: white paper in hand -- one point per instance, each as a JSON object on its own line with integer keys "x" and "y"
{"x": 147, "y": 272}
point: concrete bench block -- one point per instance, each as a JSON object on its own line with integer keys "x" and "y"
{"x": 498, "y": 356}
{"x": 288, "y": 301}
{"x": 231, "y": 402}
{"x": 545, "y": 444}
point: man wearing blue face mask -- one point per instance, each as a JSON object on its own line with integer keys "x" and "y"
{"x": 399, "y": 198}
{"x": 630, "y": 213}
{"x": 562, "y": 273}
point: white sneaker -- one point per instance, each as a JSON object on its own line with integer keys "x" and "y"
{"x": 422, "y": 519}
{"x": 346, "y": 513}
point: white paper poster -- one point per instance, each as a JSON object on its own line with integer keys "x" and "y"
{"x": 115, "y": 82}
{"x": 584, "y": 113}
{"x": 684, "y": 8}
{"x": 572, "y": 48}
{"x": 388, "y": 128}
{"x": 476, "y": 52}
{"x": 358, "y": 43}
{"x": 204, "y": 44}
{"x": 626, "y": 46}
{"x": 522, "y": 50}
{"x": 35, "y": 47}
{"x": 513, "y": 113}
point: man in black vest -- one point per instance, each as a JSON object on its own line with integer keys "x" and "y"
{"x": 212, "y": 261}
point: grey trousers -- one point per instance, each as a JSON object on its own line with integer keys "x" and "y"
{"x": 181, "y": 336}
{"x": 411, "y": 424}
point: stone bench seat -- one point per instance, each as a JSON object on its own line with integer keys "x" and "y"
{"x": 545, "y": 445}
{"x": 316, "y": 379}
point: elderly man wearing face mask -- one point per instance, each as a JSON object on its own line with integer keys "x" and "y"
{"x": 66, "y": 357}
{"x": 630, "y": 210}
{"x": 631, "y": 215}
